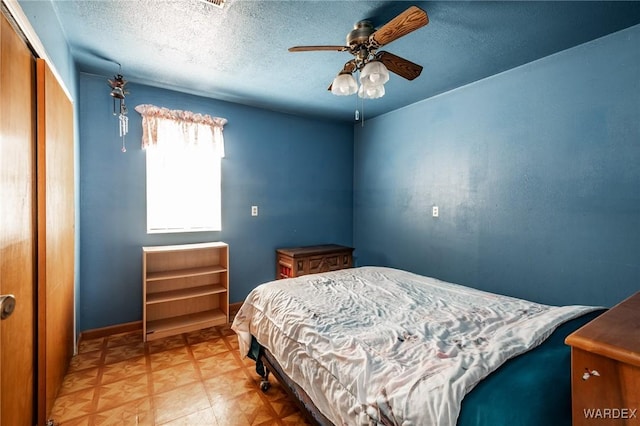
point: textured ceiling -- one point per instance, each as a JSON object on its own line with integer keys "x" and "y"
{"x": 239, "y": 53}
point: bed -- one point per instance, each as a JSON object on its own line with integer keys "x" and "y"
{"x": 375, "y": 345}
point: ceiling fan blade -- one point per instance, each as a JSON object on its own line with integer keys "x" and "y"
{"x": 314, "y": 48}
{"x": 400, "y": 66}
{"x": 406, "y": 22}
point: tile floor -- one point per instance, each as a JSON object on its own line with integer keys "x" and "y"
{"x": 194, "y": 379}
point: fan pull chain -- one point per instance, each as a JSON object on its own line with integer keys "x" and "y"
{"x": 357, "y": 97}
{"x": 361, "y": 104}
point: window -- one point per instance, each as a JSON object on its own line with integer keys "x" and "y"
{"x": 183, "y": 154}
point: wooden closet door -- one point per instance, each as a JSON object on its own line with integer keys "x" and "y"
{"x": 56, "y": 219}
{"x": 17, "y": 227}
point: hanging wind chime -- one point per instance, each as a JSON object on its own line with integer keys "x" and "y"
{"x": 118, "y": 93}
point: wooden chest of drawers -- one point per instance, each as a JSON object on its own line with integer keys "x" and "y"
{"x": 605, "y": 367}
{"x": 297, "y": 261}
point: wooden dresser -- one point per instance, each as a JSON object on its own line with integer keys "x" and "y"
{"x": 605, "y": 364}
{"x": 297, "y": 261}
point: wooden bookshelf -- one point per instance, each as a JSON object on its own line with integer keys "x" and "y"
{"x": 185, "y": 288}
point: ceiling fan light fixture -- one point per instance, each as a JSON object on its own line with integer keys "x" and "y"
{"x": 344, "y": 85}
{"x": 371, "y": 91}
{"x": 374, "y": 73}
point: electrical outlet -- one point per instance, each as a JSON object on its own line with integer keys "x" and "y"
{"x": 435, "y": 212}
{"x": 254, "y": 210}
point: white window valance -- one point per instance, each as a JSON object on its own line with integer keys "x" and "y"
{"x": 159, "y": 127}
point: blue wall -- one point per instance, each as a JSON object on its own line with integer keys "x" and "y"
{"x": 299, "y": 172}
{"x": 536, "y": 172}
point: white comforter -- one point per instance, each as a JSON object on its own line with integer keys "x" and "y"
{"x": 375, "y": 345}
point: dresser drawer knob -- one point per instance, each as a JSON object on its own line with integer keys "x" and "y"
{"x": 588, "y": 373}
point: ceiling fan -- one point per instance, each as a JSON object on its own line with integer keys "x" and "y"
{"x": 363, "y": 43}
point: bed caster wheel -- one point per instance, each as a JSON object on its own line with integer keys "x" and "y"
{"x": 264, "y": 386}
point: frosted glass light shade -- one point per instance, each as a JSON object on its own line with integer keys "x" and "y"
{"x": 344, "y": 85}
{"x": 371, "y": 91}
{"x": 374, "y": 74}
